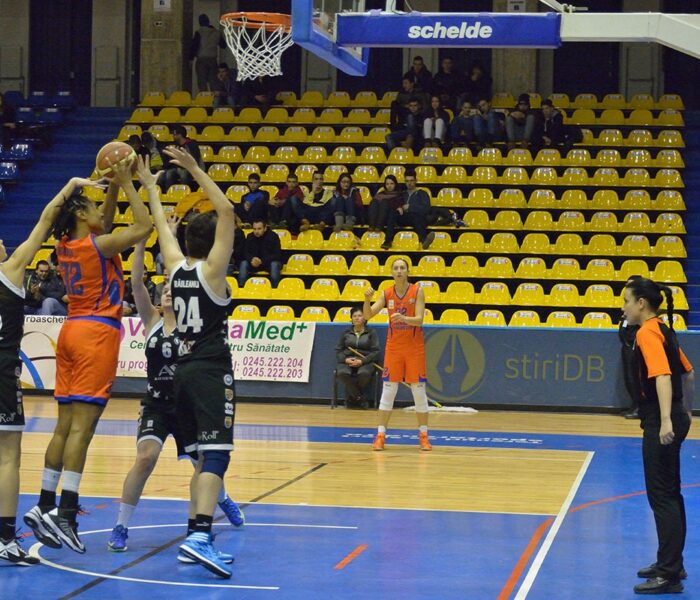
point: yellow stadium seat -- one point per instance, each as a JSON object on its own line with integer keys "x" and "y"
{"x": 503, "y": 100}
{"x": 569, "y": 243}
{"x": 582, "y": 116}
{"x": 169, "y": 114}
{"x": 539, "y": 220}
{"x": 343, "y": 154}
{"x": 597, "y": 320}
{"x": 477, "y": 219}
{"x": 204, "y": 99}
{"x": 635, "y": 245}
{"x": 276, "y": 115}
{"x": 300, "y": 263}
{"x": 246, "y": 312}
{"x": 645, "y": 101}
{"x": 395, "y": 170}
{"x": 482, "y": 197}
{"x": 669, "y": 200}
{"x": 430, "y": 266}
{"x": 680, "y": 301}
{"x": 235, "y": 192}
{"x": 571, "y": 220}
{"x": 499, "y": 267}
{"x": 341, "y": 240}
{"x": 678, "y": 322}
{"x": 616, "y": 101}
{"x": 285, "y": 238}
{"x": 547, "y": 157}
{"x": 287, "y": 154}
{"x": 426, "y": 174}
{"x": 222, "y": 172}
{"x": 531, "y": 268}
{"x": 606, "y": 176}
{"x": 481, "y": 175}
{"x": 504, "y": 243}
{"x": 489, "y": 156}
{"x": 323, "y": 134}
{"x": 535, "y": 243}
{"x": 669, "y": 271}
{"x": 507, "y": 219}
{"x": 406, "y": 240}
{"x": 560, "y": 100}
{"x": 206, "y": 152}
{"x": 463, "y": 266}
{"x": 377, "y": 135}
{"x": 176, "y": 192}
{"x": 242, "y": 172}
{"x": 601, "y": 269}
{"x": 294, "y": 135}
{"x": 603, "y": 221}
{"x": 454, "y": 316}
{"x": 490, "y": 318}
{"x": 364, "y": 264}
{"x": 585, "y": 101}
{"x": 636, "y": 222}
{"x": 289, "y": 288}
{"x": 458, "y": 175}
{"x": 670, "y": 246}
{"x": 511, "y": 198}
{"x": 459, "y": 155}
{"x": 470, "y": 241}
{"x": 267, "y": 135}
{"x": 599, "y": 295}
{"x": 341, "y": 99}
{"x": 280, "y": 313}
{"x": 542, "y": 199}
{"x": 639, "y": 138}
{"x": 372, "y": 154}
{"x": 667, "y": 101}
{"x": 128, "y": 130}
{"x": 602, "y": 244}
{"x": 256, "y": 288}
{"x": 608, "y": 157}
{"x": 316, "y": 314}
{"x": 153, "y": 99}
{"x": 561, "y": 318}
{"x": 311, "y": 98}
{"x": 305, "y": 173}
{"x": 222, "y": 114}
{"x": 529, "y": 294}
{"x": 401, "y": 156}
{"x": 565, "y": 269}
{"x": 239, "y": 133}
{"x": 354, "y": 290}
{"x": 311, "y": 239}
{"x": 611, "y": 116}
{"x": 669, "y": 158}
{"x": 330, "y": 116}
{"x": 632, "y": 267}
{"x": 179, "y": 98}
{"x": 519, "y": 157}
{"x": 365, "y": 174}
{"x": 365, "y": 99}
{"x": 315, "y": 154}
{"x": 670, "y": 138}
{"x": 342, "y": 315}
{"x": 430, "y": 156}
{"x": 459, "y": 292}
{"x": 669, "y": 223}
{"x": 442, "y": 242}
{"x": 573, "y": 176}
{"x": 256, "y": 154}
{"x": 162, "y": 133}
{"x": 323, "y": 289}
{"x": 636, "y": 178}
{"x": 640, "y": 116}
{"x": 450, "y": 197}
{"x": 287, "y": 98}
{"x": 333, "y": 173}
{"x": 332, "y": 264}
{"x": 303, "y": 115}
{"x": 636, "y": 200}
{"x": 668, "y": 178}
{"x": 578, "y": 157}
{"x": 564, "y": 294}
{"x": 525, "y": 318}
{"x": 351, "y": 135}
{"x": 431, "y": 289}
{"x": 381, "y": 317}
{"x": 638, "y": 157}
{"x": 372, "y": 240}
{"x": 610, "y": 137}
{"x": 514, "y": 176}
{"x": 143, "y": 115}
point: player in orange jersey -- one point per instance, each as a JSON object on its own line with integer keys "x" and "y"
{"x": 88, "y": 345}
{"x": 404, "y": 356}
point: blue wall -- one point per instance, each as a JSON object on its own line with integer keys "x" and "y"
{"x": 485, "y": 366}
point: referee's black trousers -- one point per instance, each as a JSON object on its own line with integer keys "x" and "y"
{"x": 662, "y": 474}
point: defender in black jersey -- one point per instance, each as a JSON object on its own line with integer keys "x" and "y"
{"x": 204, "y": 375}
{"x": 11, "y": 409}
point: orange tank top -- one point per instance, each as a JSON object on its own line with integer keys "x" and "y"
{"x": 94, "y": 283}
{"x": 402, "y": 334}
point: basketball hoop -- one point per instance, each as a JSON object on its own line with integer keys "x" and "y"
{"x": 257, "y": 41}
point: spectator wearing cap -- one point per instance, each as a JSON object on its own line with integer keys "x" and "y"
{"x": 520, "y": 123}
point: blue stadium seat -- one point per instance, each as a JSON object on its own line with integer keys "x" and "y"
{"x": 26, "y": 115}
{"x": 50, "y": 116}
{"x": 9, "y": 172}
{"x": 2, "y": 195}
{"x": 14, "y": 98}
{"x": 38, "y": 98}
{"x": 18, "y": 152}
{"x": 64, "y": 100}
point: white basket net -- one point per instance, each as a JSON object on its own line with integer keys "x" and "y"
{"x": 257, "y": 49}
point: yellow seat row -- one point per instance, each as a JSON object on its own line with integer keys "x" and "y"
{"x": 590, "y": 101}
{"x": 467, "y": 266}
{"x": 641, "y": 116}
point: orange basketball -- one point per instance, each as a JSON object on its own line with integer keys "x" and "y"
{"x": 112, "y": 154}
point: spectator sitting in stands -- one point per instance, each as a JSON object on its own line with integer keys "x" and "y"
{"x": 263, "y": 252}
{"x": 413, "y": 212}
{"x": 448, "y": 83}
{"x": 478, "y": 85}
{"x": 390, "y": 197}
{"x": 280, "y": 208}
{"x": 462, "y": 126}
{"x": 173, "y": 174}
{"x": 136, "y": 143}
{"x": 420, "y": 76}
{"x": 487, "y": 124}
{"x": 435, "y": 121}
{"x": 405, "y": 126}
{"x": 348, "y": 207}
{"x": 552, "y": 133}
{"x": 227, "y": 91}
{"x": 149, "y": 142}
{"x": 8, "y": 124}
{"x": 408, "y": 91}
{"x": 253, "y": 205}
{"x": 520, "y": 123}
{"x": 46, "y": 294}
{"x": 318, "y": 207}
{"x": 129, "y": 304}
{"x": 258, "y": 92}
{"x": 238, "y": 247}
{"x": 353, "y": 371}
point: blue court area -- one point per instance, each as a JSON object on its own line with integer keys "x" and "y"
{"x": 590, "y": 550}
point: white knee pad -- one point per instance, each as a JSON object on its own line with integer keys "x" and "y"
{"x": 389, "y": 391}
{"x": 420, "y": 398}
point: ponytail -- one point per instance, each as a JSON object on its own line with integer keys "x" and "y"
{"x": 65, "y": 222}
{"x": 668, "y": 292}
{"x": 653, "y": 293}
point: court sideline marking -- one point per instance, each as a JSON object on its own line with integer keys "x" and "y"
{"x": 103, "y": 578}
{"x": 544, "y": 549}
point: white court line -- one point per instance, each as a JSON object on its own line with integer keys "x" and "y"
{"x": 553, "y": 530}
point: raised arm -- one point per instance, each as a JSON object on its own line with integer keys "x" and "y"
{"x": 148, "y": 313}
{"x": 369, "y": 310}
{"x": 109, "y": 206}
{"x": 220, "y": 253}
{"x": 111, "y": 244}
{"x": 15, "y": 266}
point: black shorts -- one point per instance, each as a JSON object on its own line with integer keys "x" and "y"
{"x": 157, "y": 420}
{"x": 11, "y": 409}
{"x": 206, "y": 406}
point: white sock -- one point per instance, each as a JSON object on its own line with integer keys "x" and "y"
{"x": 125, "y": 512}
{"x": 381, "y": 429}
{"x": 71, "y": 481}
{"x": 222, "y": 493}
{"x": 423, "y": 429}
{"x": 49, "y": 480}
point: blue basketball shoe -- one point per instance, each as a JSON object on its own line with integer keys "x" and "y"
{"x": 233, "y": 512}
{"x": 117, "y": 543}
{"x": 199, "y": 548}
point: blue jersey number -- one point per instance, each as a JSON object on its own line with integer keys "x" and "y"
{"x": 73, "y": 275}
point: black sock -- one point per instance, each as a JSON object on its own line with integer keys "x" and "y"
{"x": 203, "y": 524}
{"x": 47, "y": 500}
{"x": 8, "y": 528}
{"x": 68, "y": 507}
{"x": 190, "y": 525}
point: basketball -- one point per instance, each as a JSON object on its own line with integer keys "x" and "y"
{"x": 112, "y": 154}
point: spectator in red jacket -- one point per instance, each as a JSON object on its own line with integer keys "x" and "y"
{"x": 279, "y": 211}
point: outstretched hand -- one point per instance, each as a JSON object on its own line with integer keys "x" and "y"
{"x": 181, "y": 158}
{"x": 143, "y": 172}
{"x": 122, "y": 172}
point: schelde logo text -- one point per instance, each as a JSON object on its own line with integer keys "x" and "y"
{"x": 438, "y": 31}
